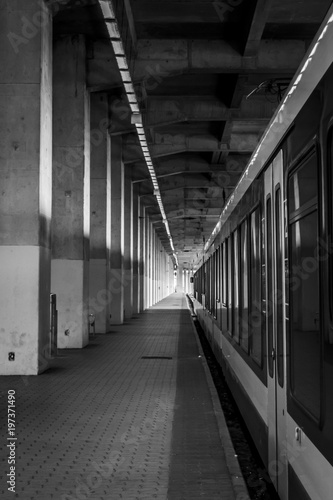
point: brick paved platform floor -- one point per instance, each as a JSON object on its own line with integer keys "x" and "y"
{"x": 131, "y": 416}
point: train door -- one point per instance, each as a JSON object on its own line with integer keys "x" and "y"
{"x": 275, "y": 325}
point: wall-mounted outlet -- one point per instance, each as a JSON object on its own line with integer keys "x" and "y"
{"x": 11, "y": 356}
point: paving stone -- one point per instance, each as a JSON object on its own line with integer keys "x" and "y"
{"x": 105, "y": 424}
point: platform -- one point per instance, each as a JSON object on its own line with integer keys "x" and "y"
{"x": 134, "y": 415}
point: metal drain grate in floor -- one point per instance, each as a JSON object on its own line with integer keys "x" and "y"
{"x": 156, "y": 357}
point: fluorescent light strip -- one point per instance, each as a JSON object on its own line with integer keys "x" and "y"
{"x": 122, "y": 62}
{"x": 118, "y": 47}
{"x": 131, "y": 97}
{"x": 107, "y": 9}
{"x": 113, "y": 29}
{"x": 125, "y": 76}
{"x": 129, "y": 87}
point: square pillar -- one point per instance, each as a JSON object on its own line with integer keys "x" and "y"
{"x": 151, "y": 264}
{"x": 128, "y": 241}
{"x": 117, "y": 281}
{"x": 135, "y": 250}
{"x": 100, "y": 213}
{"x": 147, "y": 261}
{"x": 26, "y": 186}
{"x": 142, "y": 256}
{"x": 172, "y": 280}
{"x": 71, "y": 191}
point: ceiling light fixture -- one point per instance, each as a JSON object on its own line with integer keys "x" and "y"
{"x": 136, "y": 118}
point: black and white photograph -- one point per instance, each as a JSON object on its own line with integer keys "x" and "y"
{"x": 166, "y": 250}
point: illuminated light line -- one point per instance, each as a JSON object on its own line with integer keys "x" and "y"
{"x": 136, "y": 119}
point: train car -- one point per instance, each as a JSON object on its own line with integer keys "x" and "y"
{"x": 264, "y": 291}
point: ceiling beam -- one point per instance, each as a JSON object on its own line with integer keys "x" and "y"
{"x": 257, "y": 27}
{"x": 169, "y": 144}
{"x": 131, "y": 23}
{"x": 236, "y": 101}
{"x": 212, "y": 184}
{"x": 160, "y": 59}
{"x": 178, "y": 167}
{"x": 208, "y": 205}
{"x": 165, "y": 110}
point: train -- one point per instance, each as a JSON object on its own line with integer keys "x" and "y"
{"x": 263, "y": 290}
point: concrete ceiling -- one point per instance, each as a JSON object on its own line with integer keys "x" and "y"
{"x": 194, "y": 63}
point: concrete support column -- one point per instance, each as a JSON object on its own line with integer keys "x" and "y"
{"x": 180, "y": 279}
{"x": 146, "y": 260}
{"x": 117, "y": 282}
{"x": 128, "y": 241}
{"x": 157, "y": 267}
{"x": 135, "y": 250}
{"x": 169, "y": 272}
{"x": 71, "y": 191}
{"x": 172, "y": 281}
{"x": 154, "y": 264}
{"x": 148, "y": 251}
{"x": 142, "y": 257}
{"x": 150, "y": 263}
{"x": 26, "y": 186}
{"x": 100, "y": 209}
{"x": 159, "y": 270}
{"x": 165, "y": 275}
{"x": 187, "y": 281}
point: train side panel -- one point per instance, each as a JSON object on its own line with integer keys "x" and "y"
{"x": 231, "y": 302}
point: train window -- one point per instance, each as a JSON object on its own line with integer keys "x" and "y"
{"x": 217, "y": 281}
{"x": 209, "y": 283}
{"x": 236, "y": 286}
{"x": 244, "y": 292}
{"x": 218, "y": 275}
{"x": 209, "y": 277}
{"x": 269, "y": 283}
{"x": 302, "y": 186}
{"x": 330, "y": 189}
{"x": 305, "y": 335}
{"x": 212, "y": 284}
{"x": 204, "y": 285}
{"x": 213, "y": 279}
{"x": 279, "y": 284}
{"x": 224, "y": 273}
{"x": 255, "y": 323}
{"x": 198, "y": 285}
{"x": 211, "y": 272}
{"x": 230, "y": 284}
